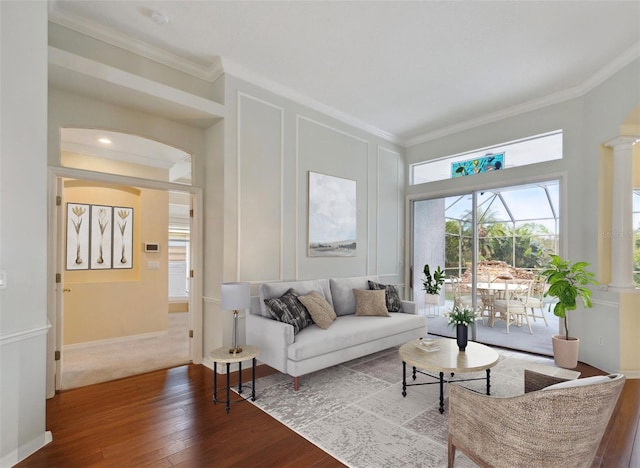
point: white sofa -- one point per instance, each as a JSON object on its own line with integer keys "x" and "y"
{"x": 348, "y": 337}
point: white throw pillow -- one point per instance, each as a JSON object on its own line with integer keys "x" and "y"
{"x": 581, "y": 382}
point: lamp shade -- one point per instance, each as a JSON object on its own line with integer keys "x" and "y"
{"x": 236, "y": 296}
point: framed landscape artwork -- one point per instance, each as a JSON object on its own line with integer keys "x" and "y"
{"x": 332, "y": 216}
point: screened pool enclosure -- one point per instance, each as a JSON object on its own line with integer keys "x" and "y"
{"x": 480, "y": 237}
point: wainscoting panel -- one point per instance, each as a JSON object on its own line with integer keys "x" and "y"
{"x": 389, "y": 212}
{"x": 260, "y": 154}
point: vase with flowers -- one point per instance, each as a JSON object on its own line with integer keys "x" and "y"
{"x": 461, "y": 318}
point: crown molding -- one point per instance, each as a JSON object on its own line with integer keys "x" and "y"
{"x": 239, "y": 71}
{"x": 102, "y": 33}
{"x": 612, "y": 68}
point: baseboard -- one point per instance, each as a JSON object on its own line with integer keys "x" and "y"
{"x": 631, "y": 374}
{"x": 26, "y": 450}
{"x": 120, "y": 339}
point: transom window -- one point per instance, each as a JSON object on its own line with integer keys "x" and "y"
{"x": 532, "y": 150}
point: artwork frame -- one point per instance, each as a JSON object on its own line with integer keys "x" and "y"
{"x": 101, "y": 237}
{"x": 332, "y": 216}
{"x": 487, "y": 163}
{"x": 78, "y": 239}
{"x": 122, "y": 257}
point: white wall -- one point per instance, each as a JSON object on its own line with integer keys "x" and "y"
{"x": 270, "y": 145}
{"x": 587, "y": 122}
{"x": 23, "y": 228}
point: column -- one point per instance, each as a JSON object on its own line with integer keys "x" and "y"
{"x": 621, "y": 211}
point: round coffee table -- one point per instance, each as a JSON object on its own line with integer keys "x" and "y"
{"x": 448, "y": 359}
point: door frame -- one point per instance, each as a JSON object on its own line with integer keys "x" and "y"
{"x": 55, "y": 259}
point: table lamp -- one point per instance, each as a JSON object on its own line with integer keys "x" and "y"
{"x": 235, "y": 296}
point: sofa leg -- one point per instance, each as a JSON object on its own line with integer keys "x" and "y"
{"x": 296, "y": 384}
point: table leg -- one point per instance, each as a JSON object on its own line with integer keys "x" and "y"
{"x": 239, "y": 378}
{"x": 488, "y": 382}
{"x": 404, "y": 379}
{"x": 441, "y": 392}
{"x": 253, "y": 378}
{"x": 215, "y": 382}
{"x": 228, "y": 407}
{"x": 414, "y": 373}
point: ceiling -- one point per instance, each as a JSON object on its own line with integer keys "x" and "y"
{"x": 406, "y": 71}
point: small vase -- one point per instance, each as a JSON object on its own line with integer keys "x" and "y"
{"x": 462, "y": 336}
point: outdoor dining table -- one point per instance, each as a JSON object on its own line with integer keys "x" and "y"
{"x": 498, "y": 288}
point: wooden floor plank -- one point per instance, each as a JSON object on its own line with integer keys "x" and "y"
{"x": 167, "y": 418}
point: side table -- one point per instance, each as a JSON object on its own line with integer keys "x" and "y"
{"x": 223, "y": 356}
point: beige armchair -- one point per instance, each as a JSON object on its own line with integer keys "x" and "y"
{"x": 550, "y": 427}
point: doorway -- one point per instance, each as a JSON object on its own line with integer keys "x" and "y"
{"x": 130, "y": 312}
{"x": 480, "y": 239}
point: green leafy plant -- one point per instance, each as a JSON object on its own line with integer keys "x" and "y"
{"x": 567, "y": 283}
{"x": 433, "y": 283}
{"x": 461, "y": 316}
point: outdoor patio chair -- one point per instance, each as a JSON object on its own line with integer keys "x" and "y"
{"x": 512, "y": 309}
{"x": 535, "y": 300}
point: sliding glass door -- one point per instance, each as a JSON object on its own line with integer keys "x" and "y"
{"x": 481, "y": 239}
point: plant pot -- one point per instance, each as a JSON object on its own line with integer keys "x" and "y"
{"x": 433, "y": 299}
{"x": 462, "y": 336}
{"x": 565, "y": 352}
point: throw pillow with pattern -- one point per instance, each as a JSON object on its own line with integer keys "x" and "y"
{"x": 392, "y": 298}
{"x": 288, "y": 309}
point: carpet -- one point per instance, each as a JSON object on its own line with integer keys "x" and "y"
{"x": 356, "y": 413}
{"x": 109, "y": 361}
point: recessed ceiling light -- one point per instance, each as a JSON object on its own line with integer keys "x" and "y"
{"x": 104, "y": 141}
{"x": 159, "y": 18}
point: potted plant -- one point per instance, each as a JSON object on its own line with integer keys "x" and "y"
{"x": 567, "y": 283}
{"x": 432, "y": 284}
{"x": 461, "y": 318}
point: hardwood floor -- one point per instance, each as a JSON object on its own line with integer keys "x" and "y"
{"x": 166, "y": 418}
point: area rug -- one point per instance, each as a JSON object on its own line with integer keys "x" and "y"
{"x": 356, "y": 412}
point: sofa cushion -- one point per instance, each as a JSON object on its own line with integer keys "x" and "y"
{"x": 370, "y": 303}
{"x": 392, "y": 298}
{"x": 288, "y": 309}
{"x": 344, "y": 302}
{"x": 348, "y": 331}
{"x": 320, "y": 310}
{"x": 277, "y": 289}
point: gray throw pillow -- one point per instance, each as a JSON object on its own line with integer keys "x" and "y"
{"x": 392, "y": 298}
{"x": 288, "y": 309}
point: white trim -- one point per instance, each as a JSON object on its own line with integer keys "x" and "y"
{"x": 240, "y": 95}
{"x": 120, "y": 339}
{"x": 337, "y": 130}
{"x": 208, "y": 72}
{"x": 195, "y": 106}
{"x": 24, "y": 335}
{"x": 296, "y": 215}
{"x": 250, "y": 76}
{"x": 630, "y": 374}
{"x": 398, "y": 226}
{"x": 609, "y": 70}
{"x": 26, "y": 450}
